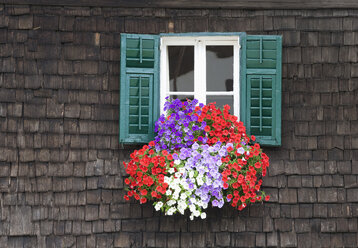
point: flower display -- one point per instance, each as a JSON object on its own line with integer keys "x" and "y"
{"x": 200, "y": 157}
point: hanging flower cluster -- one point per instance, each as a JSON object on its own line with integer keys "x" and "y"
{"x": 200, "y": 157}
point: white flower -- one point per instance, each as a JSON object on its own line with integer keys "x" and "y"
{"x": 175, "y": 196}
{"x": 158, "y": 205}
{"x": 171, "y": 211}
{"x": 171, "y": 170}
{"x": 191, "y": 217}
{"x": 203, "y": 215}
{"x": 181, "y": 209}
{"x": 200, "y": 202}
{"x": 177, "y": 161}
{"x": 191, "y": 174}
{"x": 167, "y": 179}
{"x": 200, "y": 181}
{"x": 176, "y": 181}
{"x": 192, "y": 208}
{"x": 183, "y": 196}
{"x": 169, "y": 192}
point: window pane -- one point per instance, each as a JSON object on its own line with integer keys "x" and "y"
{"x": 182, "y": 97}
{"x": 219, "y": 68}
{"x": 221, "y": 101}
{"x": 181, "y": 68}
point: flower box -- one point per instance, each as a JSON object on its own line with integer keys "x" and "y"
{"x": 201, "y": 156}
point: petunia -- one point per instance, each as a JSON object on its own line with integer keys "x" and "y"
{"x": 241, "y": 150}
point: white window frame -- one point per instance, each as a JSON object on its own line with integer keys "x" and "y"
{"x": 199, "y": 43}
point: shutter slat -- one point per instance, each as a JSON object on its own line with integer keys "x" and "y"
{"x": 264, "y": 63}
{"x": 139, "y": 86}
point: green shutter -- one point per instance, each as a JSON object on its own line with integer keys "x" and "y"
{"x": 260, "y": 98}
{"x": 139, "y": 88}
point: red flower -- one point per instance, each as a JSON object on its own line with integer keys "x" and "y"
{"x": 256, "y": 153}
{"x": 257, "y": 165}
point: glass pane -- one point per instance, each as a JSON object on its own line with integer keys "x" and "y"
{"x": 219, "y": 68}
{"x": 182, "y": 97}
{"x": 181, "y": 68}
{"x": 221, "y": 101}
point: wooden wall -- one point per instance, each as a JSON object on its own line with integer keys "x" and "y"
{"x": 61, "y": 173}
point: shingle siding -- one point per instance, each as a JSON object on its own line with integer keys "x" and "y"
{"x": 61, "y": 173}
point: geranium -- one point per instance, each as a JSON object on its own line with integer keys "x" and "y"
{"x": 200, "y": 157}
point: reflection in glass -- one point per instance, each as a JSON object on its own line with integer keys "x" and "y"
{"x": 181, "y": 68}
{"x": 221, "y": 101}
{"x": 219, "y": 68}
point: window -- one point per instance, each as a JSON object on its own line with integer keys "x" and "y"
{"x": 241, "y": 70}
{"x": 201, "y": 67}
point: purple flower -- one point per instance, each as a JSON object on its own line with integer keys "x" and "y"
{"x": 182, "y": 156}
{"x": 215, "y": 203}
{"x": 195, "y": 146}
{"x": 223, "y": 152}
{"x": 194, "y": 118}
{"x": 241, "y": 150}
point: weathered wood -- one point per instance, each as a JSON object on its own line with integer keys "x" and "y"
{"x": 224, "y": 4}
